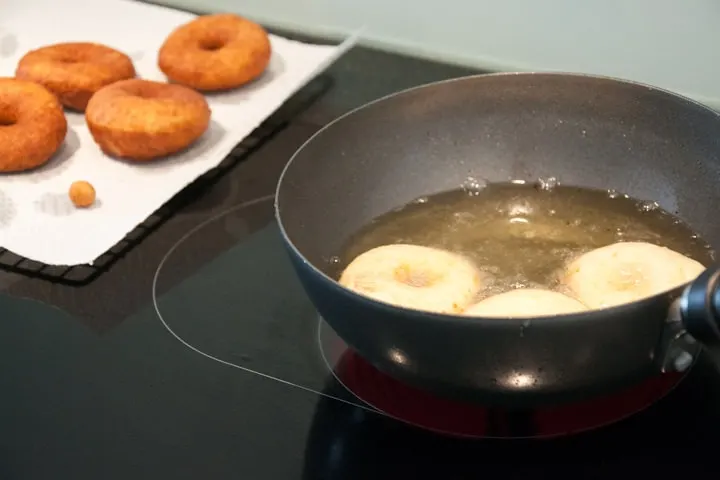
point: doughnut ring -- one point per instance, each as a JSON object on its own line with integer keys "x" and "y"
{"x": 627, "y": 272}
{"x": 32, "y": 125}
{"x": 75, "y": 71}
{"x": 215, "y": 52}
{"x": 413, "y": 276}
{"x": 142, "y": 120}
{"x": 525, "y": 302}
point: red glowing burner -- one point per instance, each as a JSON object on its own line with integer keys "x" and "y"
{"x": 426, "y": 411}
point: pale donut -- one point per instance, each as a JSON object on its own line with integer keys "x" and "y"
{"x": 525, "y": 302}
{"x": 626, "y": 272}
{"x": 412, "y": 276}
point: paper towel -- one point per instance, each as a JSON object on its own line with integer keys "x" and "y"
{"x": 37, "y": 219}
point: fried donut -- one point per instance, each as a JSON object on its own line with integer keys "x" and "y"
{"x": 626, "y": 272}
{"x": 525, "y": 302}
{"x": 215, "y": 52}
{"x": 142, "y": 120}
{"x": 75, "y": 71}
{"x": 32, "y": 125}
{"x": 412, "y": 276}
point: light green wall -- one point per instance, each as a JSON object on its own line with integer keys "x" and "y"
{"x": 670, "y": 43}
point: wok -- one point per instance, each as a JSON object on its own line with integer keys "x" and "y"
{"x": 587, "y": 131}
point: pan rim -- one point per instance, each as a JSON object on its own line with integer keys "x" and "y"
{"x": 455, "y": 319}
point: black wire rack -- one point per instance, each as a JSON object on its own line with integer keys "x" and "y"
{"x": 83, "y": 274}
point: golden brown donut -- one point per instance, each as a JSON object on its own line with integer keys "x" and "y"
{"x": 215, "y": 52}
{"x": 32, "y": 125}
{"x": 142, "y": 120}
{"x": 75, "y": 71}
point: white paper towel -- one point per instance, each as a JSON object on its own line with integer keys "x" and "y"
{"x": 37, "y": 219}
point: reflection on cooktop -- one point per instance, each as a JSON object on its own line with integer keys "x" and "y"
{"x": 671, "y": 439}
{"x": 474, "y": 420}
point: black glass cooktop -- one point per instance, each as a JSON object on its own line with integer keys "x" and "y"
{"x": 199, "y": 356}
{"x": 226, "y": 374}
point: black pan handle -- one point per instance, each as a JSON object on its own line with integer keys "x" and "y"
{"x": 693, "y": 321}
{"x": 700, "y": 308}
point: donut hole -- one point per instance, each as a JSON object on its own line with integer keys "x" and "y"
{"x": 145, "y": 95}
{"x": 142, "y": 90}
{"x": 414, "y": 276}
{"x": 65, "y": 57}
{"x": 211, "y": 44}
{"x": 7, "y": 118}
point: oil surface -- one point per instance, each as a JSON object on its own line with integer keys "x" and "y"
{"x": 520, "y": 234}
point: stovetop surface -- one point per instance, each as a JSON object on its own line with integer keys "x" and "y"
{"x": 197, "y": 356}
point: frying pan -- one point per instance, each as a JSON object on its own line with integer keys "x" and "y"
{"x": 587, "y": 131}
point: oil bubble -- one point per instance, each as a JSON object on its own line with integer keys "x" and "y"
{"x": 334, "y": 260}
{"x": 648, "y": 206}
{"x": 420, "y": 200}
{"x": 546, "y": 184}
{"x": 519, "y": 208}
{"x": 473, "y": 186}
{"x": 613, "y": 193}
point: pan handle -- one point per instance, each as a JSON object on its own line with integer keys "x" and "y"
{"x": 700, "y": 308}
{"x": 693, "y": 320}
